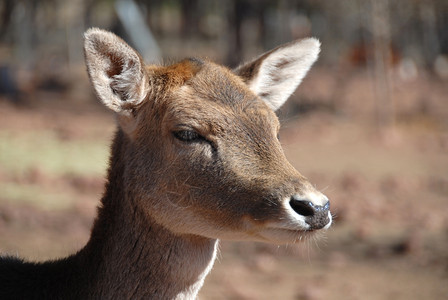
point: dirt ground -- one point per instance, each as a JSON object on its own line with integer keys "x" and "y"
{"x": 388, "y": 189}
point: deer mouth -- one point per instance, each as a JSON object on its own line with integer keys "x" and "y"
{"x": 293, "y": 228}
{"x": 286, "y": 235}
{"x": 305, "y": 224}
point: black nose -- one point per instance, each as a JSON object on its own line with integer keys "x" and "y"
{"x": 317, "y": 216}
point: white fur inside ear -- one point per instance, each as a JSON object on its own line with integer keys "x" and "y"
{"x": 126, "y": 84}
{"x": 282, "y": 71}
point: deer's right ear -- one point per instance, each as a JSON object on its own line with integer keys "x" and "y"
{"x": 115, "y": 70}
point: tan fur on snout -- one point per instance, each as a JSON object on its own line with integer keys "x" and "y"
{"x": 195, "y": 158}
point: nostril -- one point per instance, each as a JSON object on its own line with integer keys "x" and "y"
{"x": 302, "y": 207}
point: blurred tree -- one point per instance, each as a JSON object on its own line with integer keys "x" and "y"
{"x": 381, "y": 35}
{"x": 235, "y": 14}
{"x": 5, "y": 17}
{"x": 190, "y": 15}
{"x": 385, "y": 107}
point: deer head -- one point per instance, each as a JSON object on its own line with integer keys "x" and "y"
{"x": 199, "y": 144}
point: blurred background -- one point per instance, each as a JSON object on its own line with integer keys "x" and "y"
{"x": 368, "y": 126}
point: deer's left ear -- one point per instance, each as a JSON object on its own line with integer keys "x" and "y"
{"x": 275, "y": 75}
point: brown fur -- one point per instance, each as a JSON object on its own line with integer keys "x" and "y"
{"x": 167, "y": 201}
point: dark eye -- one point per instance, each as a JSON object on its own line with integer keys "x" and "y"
{"x": 187, "y": 136}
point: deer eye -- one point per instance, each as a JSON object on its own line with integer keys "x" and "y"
{"x": 187, "y": 136}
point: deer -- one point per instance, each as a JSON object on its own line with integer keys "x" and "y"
{"x": 195, "y": 159}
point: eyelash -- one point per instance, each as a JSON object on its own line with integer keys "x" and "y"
{"x": 188, "y": 136}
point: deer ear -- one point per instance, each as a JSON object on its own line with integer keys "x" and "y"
{"x": 115, "y": 70}
{"x": 275, "y": 75}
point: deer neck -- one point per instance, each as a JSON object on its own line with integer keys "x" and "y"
{"x": 134, "y": 257}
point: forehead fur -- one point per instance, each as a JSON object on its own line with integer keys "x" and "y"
{"x": 216, "y": 100}
{"x": 217, "y": 83}
{"x": 210, "y": 93}
{"x": 206, "y": 80}
{"x": 175, "y": 75}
